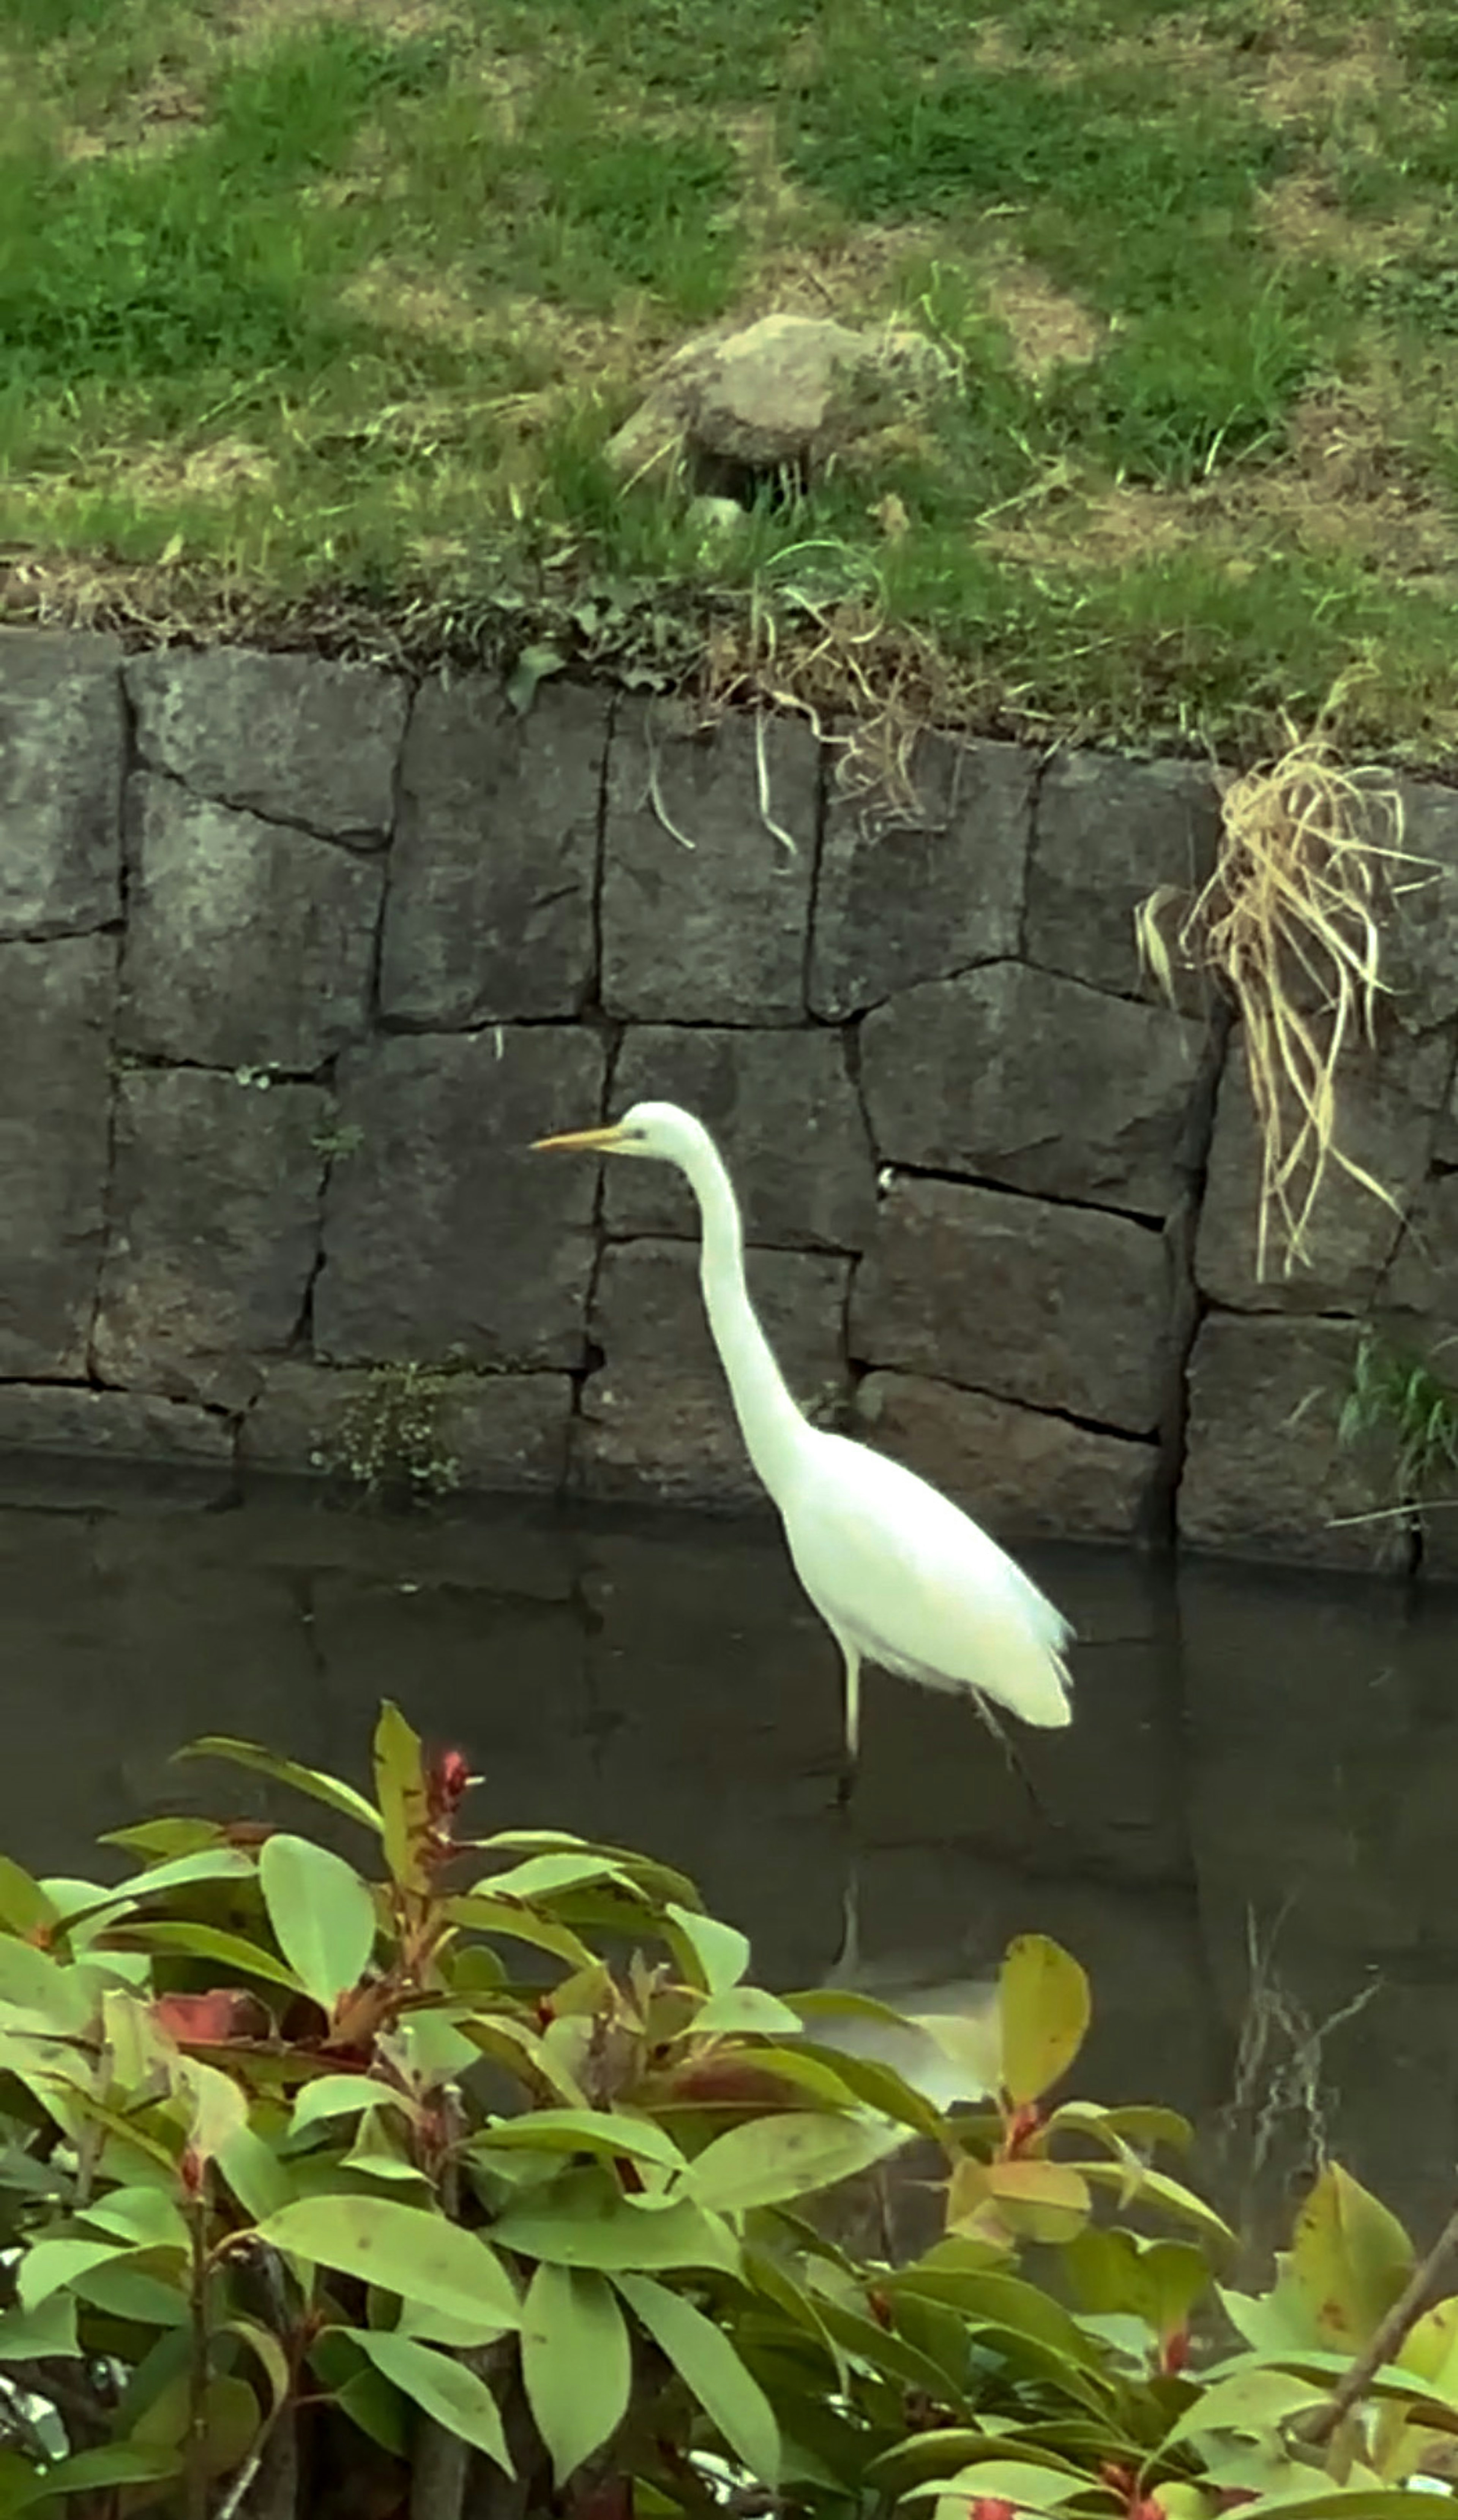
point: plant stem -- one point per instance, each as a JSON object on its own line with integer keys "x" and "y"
{"x": 195, "y": 2469}
{"x": 1386, "y": 2341}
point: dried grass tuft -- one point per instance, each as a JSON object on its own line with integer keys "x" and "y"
{"x": 1290, "y": 922}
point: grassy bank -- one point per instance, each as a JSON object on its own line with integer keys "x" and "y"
{"x": 322, "y": 321}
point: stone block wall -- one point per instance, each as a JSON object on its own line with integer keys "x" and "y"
{"x": 298, "y": 958}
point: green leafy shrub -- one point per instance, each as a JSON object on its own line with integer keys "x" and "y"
{"x": 477, "y": 2189}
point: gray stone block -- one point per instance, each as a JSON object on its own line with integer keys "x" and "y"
{"x": 1023, "y": 1475}
{"x": 116, "y": 1429}
{"x": 296, "y": 738}
{"x": 657, "y": 1422}
{"x": 248, "y": 945}
{"x": 443, "y": 1233}
{"x": 787, "y": 1122}
{"x": 899, "y": 901}
{"x": 63, "y": 745}
{"x": 215, "y": 1212}
{"x": 1420, "y": 940}
{"x": 55, "y": 1009}
{"x": 1388, "y": 1109}
{"x": 1265, "y": 1474}
{"x": 498, "y": 1430}
{"x": 714, "y": 932}
{"x": 1061, "y": 1307}
{"x": 1041, "y": 1083}
{"x": 1106, "y": 833}
{"x": 493, "y": 866}
{"x": 1422, "y": 1278}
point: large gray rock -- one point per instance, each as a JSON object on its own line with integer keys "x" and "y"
{"x": 246, "y": 945}
{"x": 1387, "y": 1118}
{"x": 1422, "y": 1278}
{"x": 657, "y": 1422}
{"x": 488, "y": 1430}
{"x": 1420, "y": 942}
{"x": 1039, "y": 1083}
{"x": 495, "y": 860}
{"x": 62, "y": 747}
{"x": 899, "y": 901}
{"x": 788, "y": 1123}
{"x": 1058, "y": 1306}
{"x": 1105, "y": 834}
{"x": 1024, "y": 1476}
{"x": 215, "y": 1207}
{"x": 115, "y": 1430}
{"x": 786, "y": 390}
{"x": 713, "y": 932}
{"x": 1264, "y": 1472}
{"x": 296, "y": 738}
{"x": 56, "y": 1007}
{"x": 444, "y": 1235}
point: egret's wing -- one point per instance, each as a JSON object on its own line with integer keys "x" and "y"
{"x": 912, "y": 1581}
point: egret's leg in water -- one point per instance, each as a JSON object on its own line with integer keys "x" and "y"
{"x": 1010, "y": 1753}
{"x": 853, "y": 1720}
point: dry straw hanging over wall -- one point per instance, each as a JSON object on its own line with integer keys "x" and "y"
{"x": 1290, "y": 922}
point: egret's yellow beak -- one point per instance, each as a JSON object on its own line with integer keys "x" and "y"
{"x": 602, "y": 1142}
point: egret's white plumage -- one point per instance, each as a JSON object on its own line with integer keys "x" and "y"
{"x": 900, "y": 1576}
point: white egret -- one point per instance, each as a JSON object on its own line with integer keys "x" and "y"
{"x": 900, "y": 1576}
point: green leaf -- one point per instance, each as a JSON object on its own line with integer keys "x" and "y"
{"x": 575, "y": 2362}
{"x": 442, "y": 2387}
{"x": 1021, "y": 2482}
{"x": 532, "y": 666}
{"x": 541, "y": 1875}
{"x": 50, "y": 2328}
{"x": 795, "y": 2153}
{"x": 605, "y": 2132}
{"x": 520, "y": 1925}
{"x": 1043, "y": 2013}
{"x": 711, "y": 2369}
{"x": 219, "y": 2107}
{"x": 1350, "y": 2259}
{"x": 158, "y": 1840}
{"x": 255, "y": 2173}
{"x": 58, "y": 1992}
{"x": 1153, "y": 2187}
{"x": 583, "y": 2220}
{"x": 24, "y": 1908}
{"x": 401, "y": 2248}
{"x": 745, "y": 2012}
{"x": 322, "y": 1914}
{"x": 48, "y": 2265}
{"x": 146, "y": 2218}
{"x": 88, "y": 2471}
{"x": 340, "y": 2096}
{"x": 720, "y": 1952}
{"x": 201, "y": 1942}
{"x": 404, "y": 1799}
{"x": 214, "y": 1864}
{"x": 286, "y": 1772}
{"x": 1249, "y": 2402}
{"x": 1158, "y": 2280}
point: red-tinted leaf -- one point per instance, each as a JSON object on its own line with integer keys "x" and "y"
{"x": 212, "y": 2020}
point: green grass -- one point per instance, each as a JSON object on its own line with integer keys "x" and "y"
{"x": 341, "y": 313}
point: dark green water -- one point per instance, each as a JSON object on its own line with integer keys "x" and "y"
{"x": 1258, "y": 1761}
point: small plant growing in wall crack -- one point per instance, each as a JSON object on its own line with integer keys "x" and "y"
{"x": 1398, "y": 1399}
{"x": 389, "y": 1440}
{"x": 336, "y": 1140}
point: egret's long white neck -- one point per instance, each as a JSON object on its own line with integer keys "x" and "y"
{"x": 773, "y": 1427}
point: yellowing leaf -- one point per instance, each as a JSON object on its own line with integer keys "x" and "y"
{"x": 1037, "y": 2200}
{"x": 1348, "y": 2260}
{"x": 575, "y": 2362}
{"x": 404, "y": 1803}
{"x": 1043, "y": 2011}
